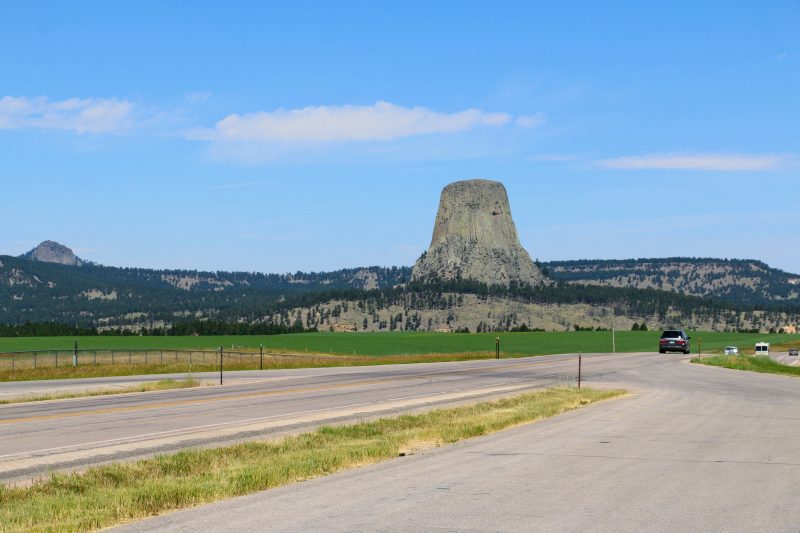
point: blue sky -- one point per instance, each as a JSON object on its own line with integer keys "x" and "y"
{"x": 318, "y": 135}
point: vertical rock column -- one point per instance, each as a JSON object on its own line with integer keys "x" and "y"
{"x": 475, "y": 238}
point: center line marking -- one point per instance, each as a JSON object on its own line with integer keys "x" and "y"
{"x": 253, "y": 420}
{"x": 288, "y": 391}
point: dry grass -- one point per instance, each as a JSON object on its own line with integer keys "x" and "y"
{"x": 271, "y": 362}
{"x": 164, "y": 384}
{"x": 118, "y": 493}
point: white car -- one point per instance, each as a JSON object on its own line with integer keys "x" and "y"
{"x": 731, "y": 350}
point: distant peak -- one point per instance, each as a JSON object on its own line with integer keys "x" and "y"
{"x": 53, "y": 252}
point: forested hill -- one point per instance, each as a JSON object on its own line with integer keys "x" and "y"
{"x": 743, "y": 281}
{"x": 95, "y": 295}
{"x": 91, "y": 295}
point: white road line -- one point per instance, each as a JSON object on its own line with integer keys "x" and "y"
{"x": 195, "y": 429}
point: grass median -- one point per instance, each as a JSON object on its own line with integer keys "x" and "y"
{"x": 118, "y": 493}
{"x": 764, "y": 365}
{"x": 163, "y": 384}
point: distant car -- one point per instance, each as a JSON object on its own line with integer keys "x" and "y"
{"x": 674, "y": 340}
{"x": 793, "y": 351}
{"x": 731, "y": 350}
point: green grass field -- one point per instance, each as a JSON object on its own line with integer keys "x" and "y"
{"x": 405, "y": 343}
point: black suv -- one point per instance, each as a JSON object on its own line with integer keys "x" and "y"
{"x": 674, "y": 340}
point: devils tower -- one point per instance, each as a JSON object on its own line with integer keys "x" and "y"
{"x": 475, "y": 238}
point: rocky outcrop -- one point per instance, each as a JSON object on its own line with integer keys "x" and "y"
{"x": 475, "y": 238}
{"x": 53, "y": 252}
{"x": 365, "y": 279}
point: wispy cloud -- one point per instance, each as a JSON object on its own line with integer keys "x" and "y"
{"x": 530, "y": 121}
{"x": 197, "y": 97}
{"x": 712, "y": 162}
{"x": 382, "y": 121}
{"x": 82, "y": 115}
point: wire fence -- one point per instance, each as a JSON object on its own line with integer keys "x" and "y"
{"x": 34, "y": 359}
{"x": 22, "y": 363}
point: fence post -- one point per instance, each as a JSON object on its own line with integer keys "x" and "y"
{"x": 145, "y": 357}
{"x": 613, "y": 334}
{"x": 220, "y": 365}
{"x": 497, "y": 348}
{"x": 579, "y": 369}
{"x": 34, "y": 360}
{"x": 261, "y": 358}
{"x": 13, "y": 357}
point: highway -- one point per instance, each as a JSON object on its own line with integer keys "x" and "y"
{"x": 693, "y": 448}
{"x": 39, "y": 437}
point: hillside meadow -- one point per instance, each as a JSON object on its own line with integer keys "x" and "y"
{"x": 403, "y": 343}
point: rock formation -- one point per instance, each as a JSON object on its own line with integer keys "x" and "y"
{"x": 475, "y": 238}
{"x": 53, "y": 252}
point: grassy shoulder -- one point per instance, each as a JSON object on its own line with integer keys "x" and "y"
{"x": 164, "y": 384}
{"x": 753, "y": 364}
{"x": 113, "y": 494}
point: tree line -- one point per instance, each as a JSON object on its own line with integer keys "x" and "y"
{"x": 195, "y": 327}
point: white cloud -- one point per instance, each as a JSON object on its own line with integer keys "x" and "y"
{"x": 382, "y": 121}
{"x": 530, "y": 121}
{"x": 714, "y": 162}
{"x": 197, "y": 97}
{"x": 83, "y": 115}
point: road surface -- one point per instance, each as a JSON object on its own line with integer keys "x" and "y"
{"x": 694, "y": 448}
{"x": 39, "y": 437}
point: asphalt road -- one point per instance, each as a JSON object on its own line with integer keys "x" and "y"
{"x": 694, "y": 448}
{"x": 785, "y": 358}
{"x": 39, "y": 437}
